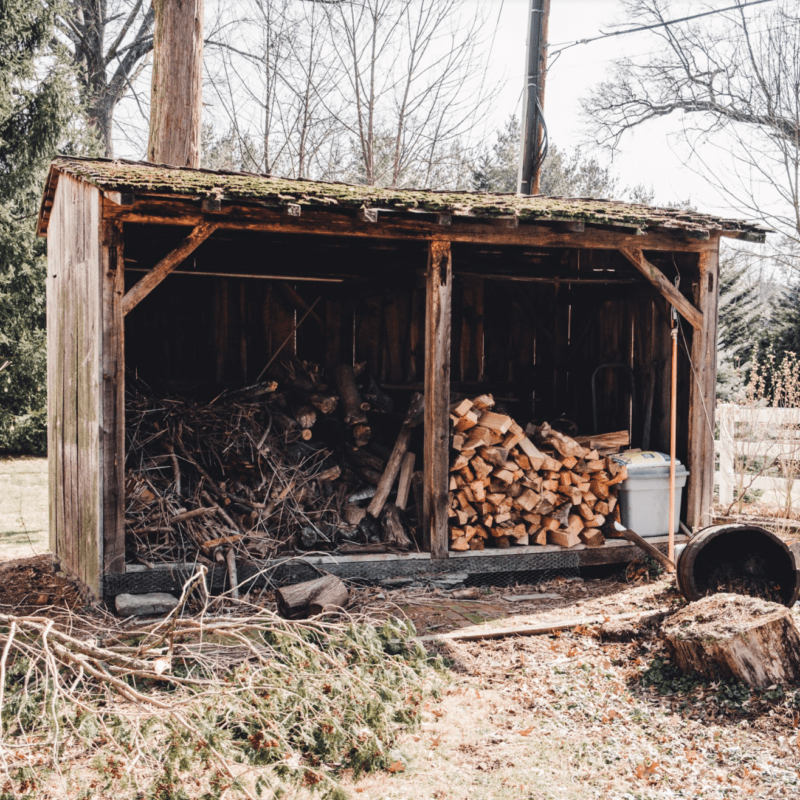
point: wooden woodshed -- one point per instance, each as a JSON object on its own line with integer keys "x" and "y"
{"x": 168, "y": 273}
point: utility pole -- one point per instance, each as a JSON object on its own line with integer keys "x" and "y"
{"x": 534, "y": 131}
{"x": 176, "y": 103}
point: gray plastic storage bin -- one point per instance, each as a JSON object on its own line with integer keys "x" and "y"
{"x": 644, "y": 496}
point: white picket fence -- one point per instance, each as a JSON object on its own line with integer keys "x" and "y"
{"x": 759, "y": 438}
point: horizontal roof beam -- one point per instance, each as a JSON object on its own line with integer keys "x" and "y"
{"x": 253, "y": 218}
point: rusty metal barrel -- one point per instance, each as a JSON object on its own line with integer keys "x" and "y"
{"x": 740, "y": 558}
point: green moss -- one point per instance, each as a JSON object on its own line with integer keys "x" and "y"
{"x": 139, "y": 178}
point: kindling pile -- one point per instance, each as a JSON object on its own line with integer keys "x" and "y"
{"x": 510, "y": 486}
{"x": 272, "y": 468}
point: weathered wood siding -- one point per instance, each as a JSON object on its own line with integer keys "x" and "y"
{"x": 74, "y": 384}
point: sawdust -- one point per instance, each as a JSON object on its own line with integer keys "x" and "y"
{"x": 722, "y": 616}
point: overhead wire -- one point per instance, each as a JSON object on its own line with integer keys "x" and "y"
{"x": 562, "y": 46}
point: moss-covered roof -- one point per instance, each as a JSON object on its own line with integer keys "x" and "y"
{"x": 141, "y": 178}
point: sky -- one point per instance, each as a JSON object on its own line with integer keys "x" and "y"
{"x": 651, "y": 156}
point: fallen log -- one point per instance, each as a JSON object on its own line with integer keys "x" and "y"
{"x": 312, "y": 597}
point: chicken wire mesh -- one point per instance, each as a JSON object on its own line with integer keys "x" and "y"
{"x": 505, "y": 569}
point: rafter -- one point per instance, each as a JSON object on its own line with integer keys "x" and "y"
{"x": 143, "y": 287}
{"x": 662, "y": 283}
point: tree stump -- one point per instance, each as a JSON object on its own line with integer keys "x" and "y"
{"x": 307, "y": 599}
{"x": 733, "y": 636}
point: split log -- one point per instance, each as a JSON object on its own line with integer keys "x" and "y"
{"x": 306, "y": 416}
{"x": 307, "y": 599}
{"x": 351, "y": 399}
{"x": 361, "y": 435}
{"x": 404, "y": 484}
{"x": 353, "y": 514}
{"x": 324, "y": 403}
{"x": 734, "y": 636}
{"x": 394, "y": 532}
{"x": 606, "y": 443}
{"x": 413, "y": 418}
{"x": 592, "y": 537}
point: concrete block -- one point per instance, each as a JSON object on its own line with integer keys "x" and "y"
{"x": 137, "y": 605}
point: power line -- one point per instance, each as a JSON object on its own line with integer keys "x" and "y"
{"x": 566, "y": 45}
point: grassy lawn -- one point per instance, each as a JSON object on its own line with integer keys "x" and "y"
{"x": 23, "y": 507}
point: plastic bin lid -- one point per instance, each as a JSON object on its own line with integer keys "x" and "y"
{"x": 645, "y": 460}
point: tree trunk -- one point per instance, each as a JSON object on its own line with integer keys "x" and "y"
{"x": 177, "y": 90}
{"x": 734, "y": 636}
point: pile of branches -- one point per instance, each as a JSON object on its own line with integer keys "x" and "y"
{"x": 226, "y": 701}
{"x": 240, "y": 473}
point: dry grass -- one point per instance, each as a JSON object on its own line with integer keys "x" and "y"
{"x": 23, "y": 507}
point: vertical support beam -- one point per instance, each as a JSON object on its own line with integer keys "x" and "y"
{"x": 112, "y": 443}
{"x": 702, "y": 394}
{"x": 333, "y": 335}
{"x": 439, "y": 290}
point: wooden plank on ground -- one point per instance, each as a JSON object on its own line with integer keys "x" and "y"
{"x": 478, "y": 632}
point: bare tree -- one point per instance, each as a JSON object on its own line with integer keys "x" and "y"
{"x": 413, "y": 69}
{"x": 270, "y": 78}
{"x": 735, "y": 79}
{"x": 374, "y": 91}
{"x": 108, "y": 41}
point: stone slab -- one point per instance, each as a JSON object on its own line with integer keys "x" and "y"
{"x": 138, "y": 605}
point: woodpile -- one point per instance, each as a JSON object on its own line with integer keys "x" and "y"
{"x": 537, "y": 486}
{"x": 280, "y": 466}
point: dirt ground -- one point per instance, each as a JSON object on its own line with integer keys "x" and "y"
{"x": 572, "y": 716}
{"x": 548, "y": 717}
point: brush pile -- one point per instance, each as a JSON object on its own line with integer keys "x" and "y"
{"x": 223, "y": 699}
{"x": 533, "y": 486}
{"x": 258, "y": 470}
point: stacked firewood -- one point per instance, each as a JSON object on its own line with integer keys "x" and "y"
{"x": 510, "y": 486}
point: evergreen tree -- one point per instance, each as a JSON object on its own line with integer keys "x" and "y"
{"x": 36, "y": 105}
{"x": 738, "y": 330}
{"x": 562, "y": 174}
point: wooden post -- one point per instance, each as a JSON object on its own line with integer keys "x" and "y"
{"x": 702, "y": 393}
{"x": 176, "y": 102}
{"x": 112, "y": 440}
{"x": 437, "y": 398}
{"x": 727, "y": 477}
